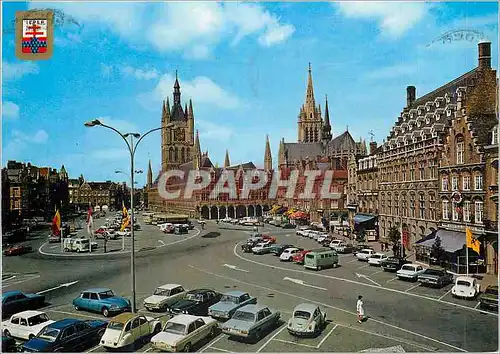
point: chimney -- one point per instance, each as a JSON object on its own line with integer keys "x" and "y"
{"x": 484, "y": 55}
{"x": 373, "y": 147}
{"x": 410, "y": 95}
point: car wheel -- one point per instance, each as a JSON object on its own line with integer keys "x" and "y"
{"x": 319, "y": 267}
{"x": 6, "y": 333}
{"x": 258, "y": 335}
{"x": 187, "y": 348}
{"x": 335, "y": 265}
{"x": 105, "y": 311}
{"x": 213, "y": 332}
{"x": 31, "y": 336}
{"x": 290, "y": 259}
{"x": 76, "y": 308}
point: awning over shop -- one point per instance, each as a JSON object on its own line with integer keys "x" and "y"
{"x": 361, "y": 218}
{"x": 451, "y": 241}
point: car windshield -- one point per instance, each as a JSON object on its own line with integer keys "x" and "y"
{"x": 229, "y": 298}
{"x": 115, "y": 325}
{"x": 302, "y": 314}
{"x": 175, "y": 328}
{"x": 162, "y": 292}
{"x": 49, "y": 333}
{"x": 106, "y": 294}
{"x": 491, "y": 291}
{"x": 434, "y": 272}
{"x": 194, "y": 297}
{"x": 36, "y": 320}
{"x": 244, "y": 316}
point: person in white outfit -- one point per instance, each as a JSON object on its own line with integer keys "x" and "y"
{"x": 359, "y": 309}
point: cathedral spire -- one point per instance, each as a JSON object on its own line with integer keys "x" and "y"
{"x": 150, "y": 175}
{"x": 191, "y": 113}
{"x": 268, "y": 159}
{"x": 227, "y": 162}
{"x": 281, "y": 153}
{"x": 327, "y": 128}
{"x": 177, "y": 90}
{"x": 197, "y": 151}
{"x": 310, "y": 90}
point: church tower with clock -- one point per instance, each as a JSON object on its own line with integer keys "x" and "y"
{"x": 177, "y": 140}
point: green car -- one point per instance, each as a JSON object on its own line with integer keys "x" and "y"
{"x": 489, "y": 299}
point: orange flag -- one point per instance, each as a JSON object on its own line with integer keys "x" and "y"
{"x": 471, "y": 241}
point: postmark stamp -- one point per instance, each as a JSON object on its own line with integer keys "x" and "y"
{"x": 34, "y": 34}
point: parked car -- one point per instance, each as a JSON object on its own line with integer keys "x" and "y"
{"x": 321, "y": 258}
{"x": 287, "y": 255}
{"x": 26, "y": 324}
{"x": 435, "y": 277}
{"x": 164, "y": 296}
{"x": 393, "y": 264}
{"x": 302, "y": 231}
{"x": 323, "y": 237}
{"x": 299, "y": 257}
{"x": 277, "y": 250}
{"x": 180, "y": 229}
{"x": 288, "y": 226}
{"x": 16, "y": 301}
{"x": 127, "y": 328}
{"x": 410, "y": 272}
{"x": 250, "y": 243}
{"x": 307, "y": 319}
{"x": 466, "y": 287}
{"x": 16, "y": 250}
{"x": 9, "y": 345}
{"x": 262, "y": 248}
{"x": 365, "y": 254}
{"x": 251, "y": 321}
{"x": 269, "y": 238}
{"x": 196, "y": 302}
{"x": 76, "y": 245}
{"x": 229, "y": 303}
{"x": 343, "y": 247}
{"x": 334, "y": 243}
{"x": 101, "y": 300}
{"x": 68, "y": 335}
{"x": 123, "y": 233}
{"x": 489, "y": 298}
{"x": 182, "y": 332}
{"x": 376, "y": 258}
{"x": 360, "y": 247}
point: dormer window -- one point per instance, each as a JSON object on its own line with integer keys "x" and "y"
{"x": 437, "y": 116}
{"x": 428, "y": 108}
{"x": 447, "y": 98}
{"x": 427, "y": 120}
{"x": 448, "y": 112}
{"x": 494, "y": 136}
{"x": 419, "y": 124}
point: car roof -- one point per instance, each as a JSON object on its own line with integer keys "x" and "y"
{"x": 169, "y": 286}
{"x": 123, "y": 317}
{"x": 253, "y": 308}
{"x": 199, "y": 291}
{"x": 64, "y": 323}
{"x": 412, "y": 264}
{"x": 10, "y": 293}
{"x": 470, "y": 279}
{"x": 305, "y": 307}
{"x": 184, "y": 319}
{"x": 96, "y": 290}
{"x": 29, "y": 313}
{"x": 235, "y": 293}
{"x": 494, "y": 287}
{"x": 379, "y": 254}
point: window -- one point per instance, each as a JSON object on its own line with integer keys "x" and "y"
{"x": 422, "y": 206}
{"x": 494, "y": 137}
{"x": 404, "y": 173}
{"x": 199, "y": 323}
{"x": 454, "y": 211}
{"x": 478, "y": 182}
{"x": 446, "y": 205}
{"x": 412, "y": 172}
{"x": 396, "y": 204}
{"x": 86, "y": 296}
{"x": 467, "y": 211}
{"x": 466, "y": 183}
{"x": 433, "y": 168}
{"x": 23, "y": 322}
{"x": 460, "y": 152}
{"x": 404, "y": 209}
{"x": 93, "y": 296}
{"x": 454, "y": 183}
{"x": 15, "y": 320}
{"x": 192, "y": 327}
{"x": 412, "y": 206}
{"x": 422, "y": 170}
{"x": 478, "y": 211}
{"x": 444, "y": 184}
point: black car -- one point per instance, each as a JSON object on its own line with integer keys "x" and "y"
{"x": 16, "y": 301}
{"x": 251, "y": 243}
{"x": 393, "y": 264}
{"x": 277, "y": 250}
{"x": 9, "y": 344}
{"x": 196, "y": 302}
{"x": 288, "y": 226}
{"x": 360, "y": 247}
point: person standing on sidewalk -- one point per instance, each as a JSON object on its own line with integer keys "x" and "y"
{"x": 360, "y": 309}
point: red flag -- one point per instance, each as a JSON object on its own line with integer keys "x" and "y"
{"x": 56, "y": 224}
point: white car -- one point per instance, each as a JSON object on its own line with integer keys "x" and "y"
{"x": 376, "y": 258}
{"x": 183, "y": 332}
{"x": 334, "y": 243}
{"x": 26, "y": 324}
{"x": 123, "y": 233}
{"x": 365, "y": 254}
{"x": 410, "y": 271}
{"x": 287, "y": 254}
{"x": 126, "y": 328}
{"x": 466, "y": 287}
{"x": 302, "y": 231}
{"x": 322, "y": 238}
{"x": 164, "y": 296}
{"x": 261, "y": 248}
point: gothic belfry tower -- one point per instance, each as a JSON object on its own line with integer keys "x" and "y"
{"x": 227, "y": 162}
{"x": 310, "y": 122}
{"x": 268, "y": 158}
{"x": 150, "y": 176}
{"x": 177, "y": 139}
{"x": 326, "y": 131}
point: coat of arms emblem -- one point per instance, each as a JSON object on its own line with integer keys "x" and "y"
{"x": 34, "y": 34}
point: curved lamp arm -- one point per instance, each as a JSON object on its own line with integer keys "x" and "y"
{"x": 123, "y": 137}
{"x": 142, "y": 137}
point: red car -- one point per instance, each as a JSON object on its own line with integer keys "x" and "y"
{"x": 269, "y": 238}
{"x": 299, "y": 257}
{"x": 16, "y": 250}
{"x": 100, "y": 231}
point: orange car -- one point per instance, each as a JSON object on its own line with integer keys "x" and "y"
{"x": 272, "y": 239}
{"x": 299, "y": 257}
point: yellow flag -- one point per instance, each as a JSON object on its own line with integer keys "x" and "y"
{"x": 471, "y": 241}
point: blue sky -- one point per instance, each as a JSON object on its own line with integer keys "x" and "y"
{"x": 243, "y": 64}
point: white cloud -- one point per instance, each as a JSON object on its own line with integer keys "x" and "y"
{"x": 213, "y": 131}
{"x": 139, "y": 74}
{"x": 14, "y": 71}
{"x": 106, "y": 70}
{"x": 121, "y": 125}
{"x": 201, "y": 89}
{"x": 10, "y": 110}
{"x": 39, "y": 137}
{"x": 394, "y": 18}
{"x": 111, "y": 154}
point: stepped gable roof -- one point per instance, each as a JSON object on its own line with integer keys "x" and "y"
{"x": 298, "y": 151}
{"x": 482, "y": 126}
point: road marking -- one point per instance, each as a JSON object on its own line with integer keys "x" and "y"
{"x": 272, "y": 337}
{"x": 446, "y": 293}
{"x": 52, "y": 247}
{"x": 209, "y": 345}
{"x": 221, "y": 350}
{"x": 354, "y": 260}
{"x": 74, "y": 314}
{"x": 295, "y": 343}
{"x": 20, "y": 281}
{"x": 65, "y": 285}
{"x": 365, "y": 266}
{"x": 91, "y": 350}
{"x": 323, "y": 340}
{"x": 301, "y": 282}
{"x": 234, "y": 268}
{"x": 330, "y": 306}
{"x": 392, "y": 279}
{"x": 413, "y": 287}
{"x": 380, "y": 271}
{"x": 479, "y": 303}
{"x": 147, "y": 350}
{"x": 163, "y": 243}
{"x": 360, "y": 283}
{"x": 366, "y": 277}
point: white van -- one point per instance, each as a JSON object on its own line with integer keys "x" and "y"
{"x": 76, "y": 245}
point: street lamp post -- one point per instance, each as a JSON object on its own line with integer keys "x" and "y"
{"x": 131, "y": 205}
{"x": 132, "y": 149}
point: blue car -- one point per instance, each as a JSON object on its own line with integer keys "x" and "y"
{"x": 229, "y": 303}
{"x": 69, "y": 335}
{"x": 16, "y": 301}
{"x": 101, "y": 300}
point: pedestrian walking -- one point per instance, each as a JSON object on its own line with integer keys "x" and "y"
{"x": 360, "y": 309}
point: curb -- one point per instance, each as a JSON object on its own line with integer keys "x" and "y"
{"x": 88, "y": 255}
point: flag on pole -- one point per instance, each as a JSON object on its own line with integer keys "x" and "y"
{"x": 56, "y": 224}
{"x": 125, "y": 218}
{"x": 90, "y": 221}
{"x": 471, "y": 241}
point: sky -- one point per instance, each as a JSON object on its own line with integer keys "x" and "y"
{"x": 244, "y": 65}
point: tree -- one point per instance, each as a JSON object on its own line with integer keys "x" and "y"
{"x": 394, "y": 235}
{"x": 437, "y": 250}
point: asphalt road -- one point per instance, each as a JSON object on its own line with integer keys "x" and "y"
{"x": 402, "y": 315}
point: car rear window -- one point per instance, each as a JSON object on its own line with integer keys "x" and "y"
{"x": 407, "y": 267}
{"x": 463, "y": 282}
{"x": 309, "y": 256}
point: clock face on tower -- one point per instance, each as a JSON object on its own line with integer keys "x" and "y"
{"x": 179, "y": 135}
